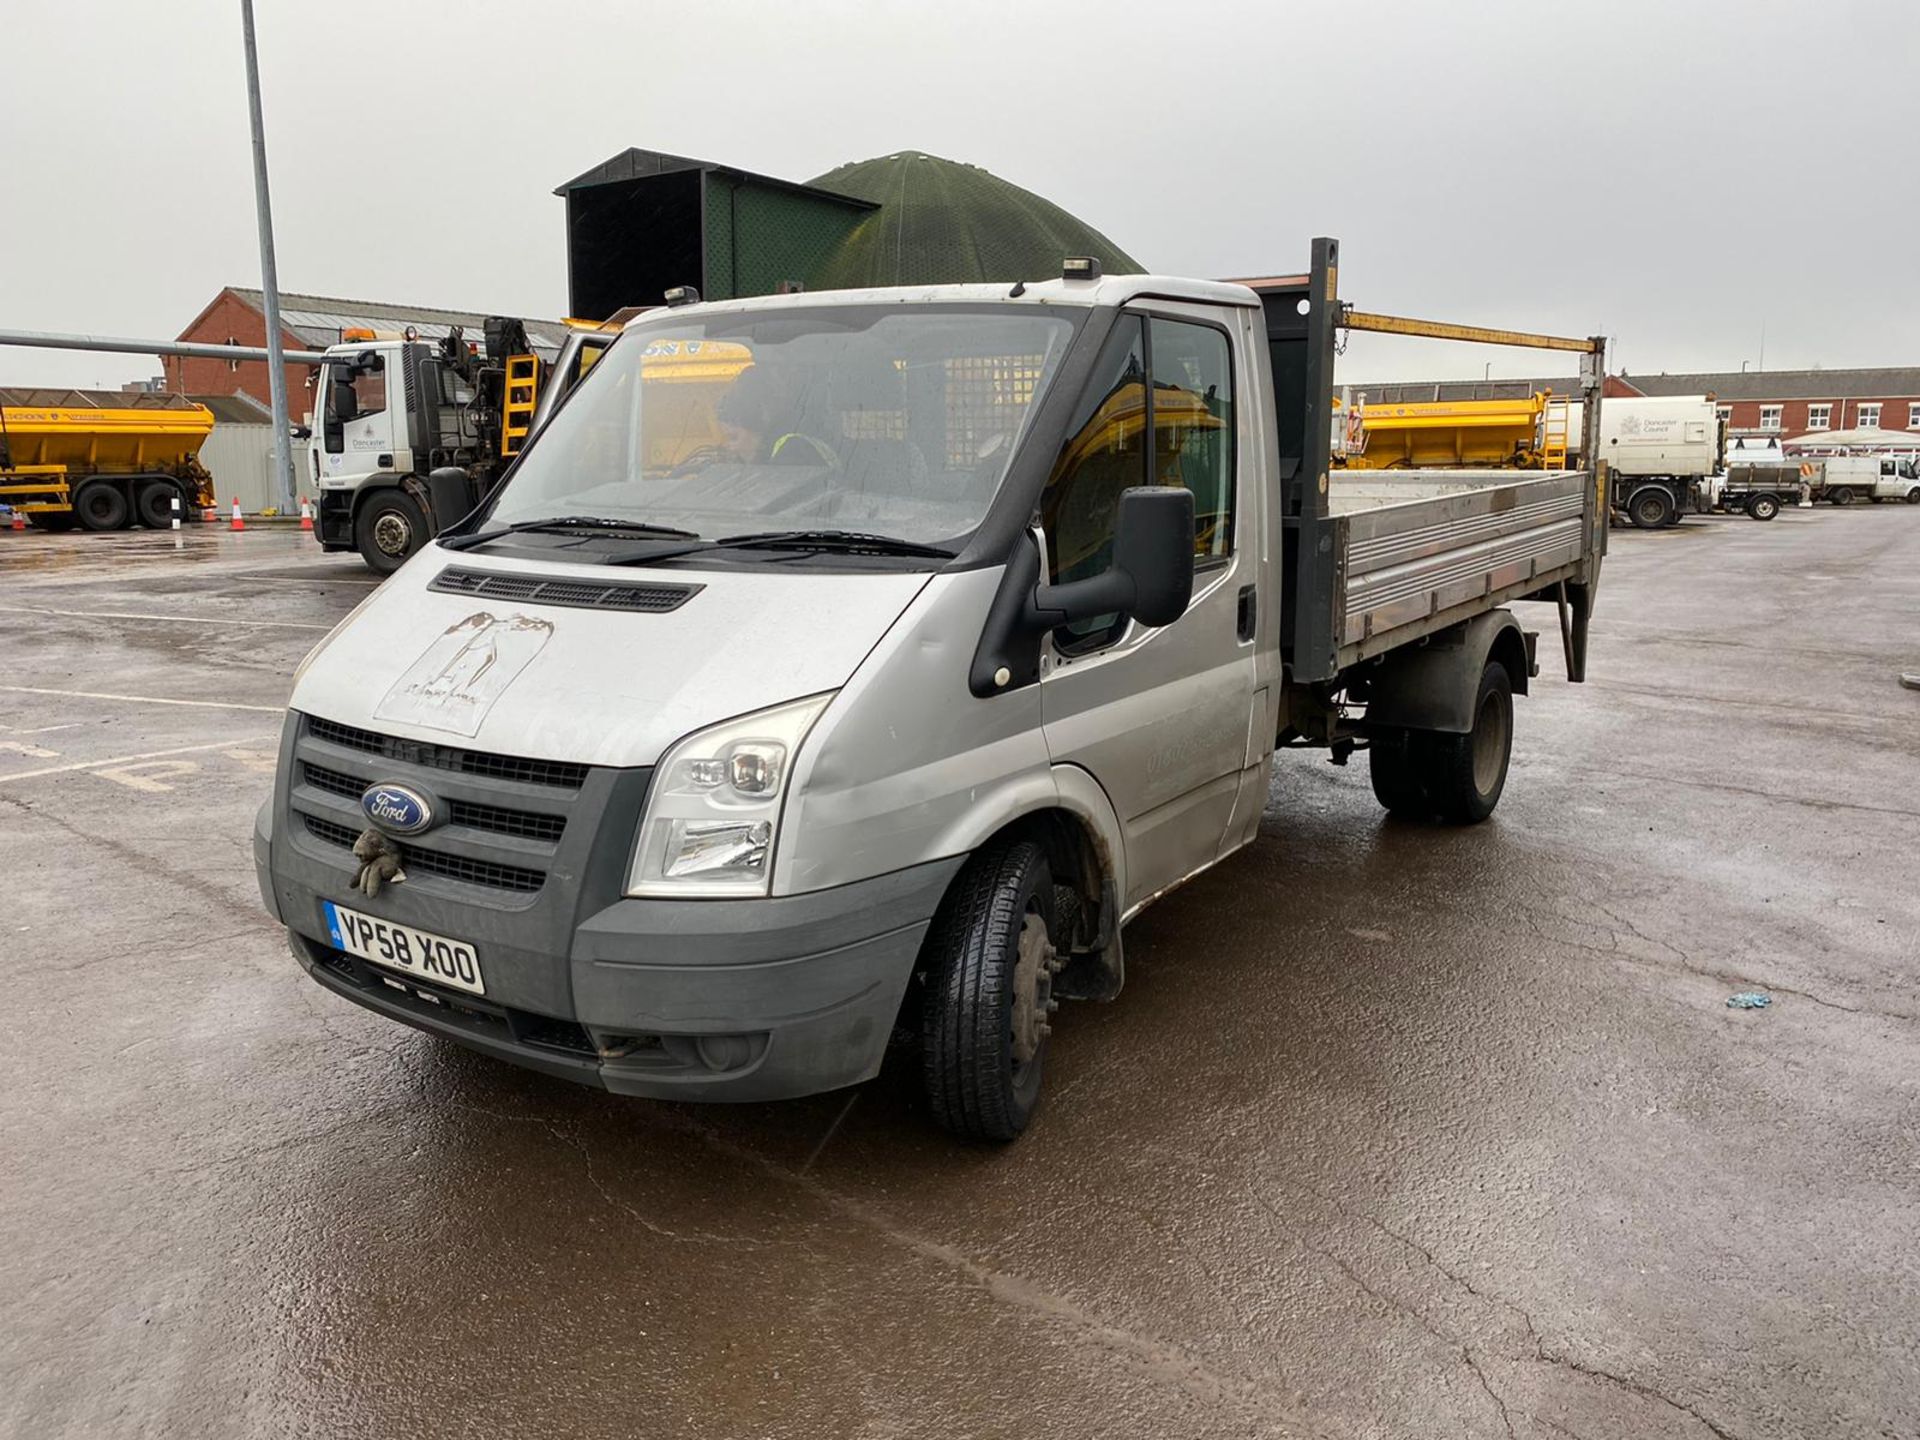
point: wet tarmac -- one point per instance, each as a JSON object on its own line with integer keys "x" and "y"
{"x": 1395, "y": 1131}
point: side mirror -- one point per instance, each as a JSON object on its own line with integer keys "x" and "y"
{"x": 335, "y": 436}
{"x": 345, "y": 404}
{"x": 1151, "y": 578}
{"x": 301, "y": 432}
{"x": 450, "y": 495}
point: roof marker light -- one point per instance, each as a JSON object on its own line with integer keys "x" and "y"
{"x": 682, "y": 295}
{"x": 1080, "y": 267}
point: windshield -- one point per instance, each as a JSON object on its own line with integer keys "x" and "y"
{"x": 888, "y": 420}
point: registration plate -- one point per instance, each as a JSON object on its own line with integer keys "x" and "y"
{"x": 419, "y": 953}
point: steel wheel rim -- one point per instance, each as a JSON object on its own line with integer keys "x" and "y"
{"x": 1027, "y": 1027}
{"x": 391, "y": 533}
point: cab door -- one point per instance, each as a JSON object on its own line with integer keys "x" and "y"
{"x": 1159, "y": 717}
{"x": 357, "y": 422}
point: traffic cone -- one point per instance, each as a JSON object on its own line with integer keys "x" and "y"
{"x": 209, "y": 514}
{"x": 238, "y": 523}
{"x": 306, "y": 515}
{"x": 19, "y": 520}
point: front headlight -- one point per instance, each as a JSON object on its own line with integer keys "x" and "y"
{"x": 713, "y": 810}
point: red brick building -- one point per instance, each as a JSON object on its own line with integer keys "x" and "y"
{"x": 237, "y": 316}
{"x": 1791, "y": 403}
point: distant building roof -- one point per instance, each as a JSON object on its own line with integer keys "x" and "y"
{"x": 940, "y": 221}
{"x": 1413, "y": 392}
{"x": 634, "y": 163}
{"x": 1784, "y": 384}
{"x": 319, "y": 319}
{"x": 41, "y": 397}
{"x": 238, "y": 408}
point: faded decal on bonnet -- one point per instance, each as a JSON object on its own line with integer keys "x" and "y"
{"x": 470, "y": 665}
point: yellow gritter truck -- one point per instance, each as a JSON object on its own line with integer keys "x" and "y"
{"x": 102, "y": 460}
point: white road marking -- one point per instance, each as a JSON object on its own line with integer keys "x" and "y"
{"x": 144, "y": 700}
{"x": 172, "y": 619}
{"x": 123, "y": 759}
{"x": 40, "y": 729}
{"x": 135, "y": 777}
{"x": 35, "y": 752}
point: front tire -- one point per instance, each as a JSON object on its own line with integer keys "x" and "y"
{"x": 388, "y": 530}
{"x": 101, "y": 506}
{"x": 1465, "y": 774}
{"x": 1763, "y": 507}
{"x": 1650, "y": 509}
{"x": 990, "y": 961}
{"x": 1913, "y": 496}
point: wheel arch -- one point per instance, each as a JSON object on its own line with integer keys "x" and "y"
{"x": 1432, "y": 686}
{"x": 1077, "y": 828}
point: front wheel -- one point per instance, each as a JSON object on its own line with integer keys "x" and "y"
{"x": 388, "y": 529}
{"x": 1763, "y": 507}
{"x": 990, "y": 962}
{"x": 1913, "y": 496}
{"x": 101, "y": 506}
{"x": 1466, "y": 773}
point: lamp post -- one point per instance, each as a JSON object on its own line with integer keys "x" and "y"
{"x": 269, "y": 281}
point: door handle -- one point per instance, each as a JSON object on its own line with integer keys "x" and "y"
{"x": 1249, "y": 610}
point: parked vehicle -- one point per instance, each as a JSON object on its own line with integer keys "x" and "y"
{"x": 102, "y": 460}
{"x": 457, "y": 409}
{"x": 887, "y": 686}
{"x": 1524, "y": 433}
{"x": 1660, "y": 450}
{"x": 1870, "y": 477}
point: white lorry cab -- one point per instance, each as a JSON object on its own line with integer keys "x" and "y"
{"x": 841, "y": 665}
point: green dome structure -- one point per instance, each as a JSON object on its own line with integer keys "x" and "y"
{"x": 941, "y": 221}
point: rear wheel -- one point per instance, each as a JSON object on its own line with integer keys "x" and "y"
{"x": 1394, "y": 768}
{"x": 1763, "y": 507}
{"x": 1650, "y": 509}
{"x": 389, "y": 528}
{"x": 1841, "y": 495}
{"x": 1466, "y": 773}
{"x": 990, "y": 962}
{"x": 154, "y": 505}
{"x": 101, "y": 507}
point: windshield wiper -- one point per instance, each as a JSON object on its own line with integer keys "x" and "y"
{"x": 569, "y": 522}
{"x": 840, "y": 542}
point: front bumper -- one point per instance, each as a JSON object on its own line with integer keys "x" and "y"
{"x": 726, "y": 1000}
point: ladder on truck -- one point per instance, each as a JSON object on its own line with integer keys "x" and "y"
{"x": 517, "y": 406}
{"x": 1556, "y": 422}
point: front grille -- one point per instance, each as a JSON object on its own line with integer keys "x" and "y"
{"x": 486, "y": 873}
{"x": 646, "y": 596}
{"x": 499, "y": 819}
{"x": 558, "y": 773}
{"x": 502, "y": 821}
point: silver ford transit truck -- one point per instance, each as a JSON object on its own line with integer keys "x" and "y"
{"x": 837, "y": 664}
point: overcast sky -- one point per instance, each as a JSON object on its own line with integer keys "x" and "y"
{"x": 1629, "y": 168}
